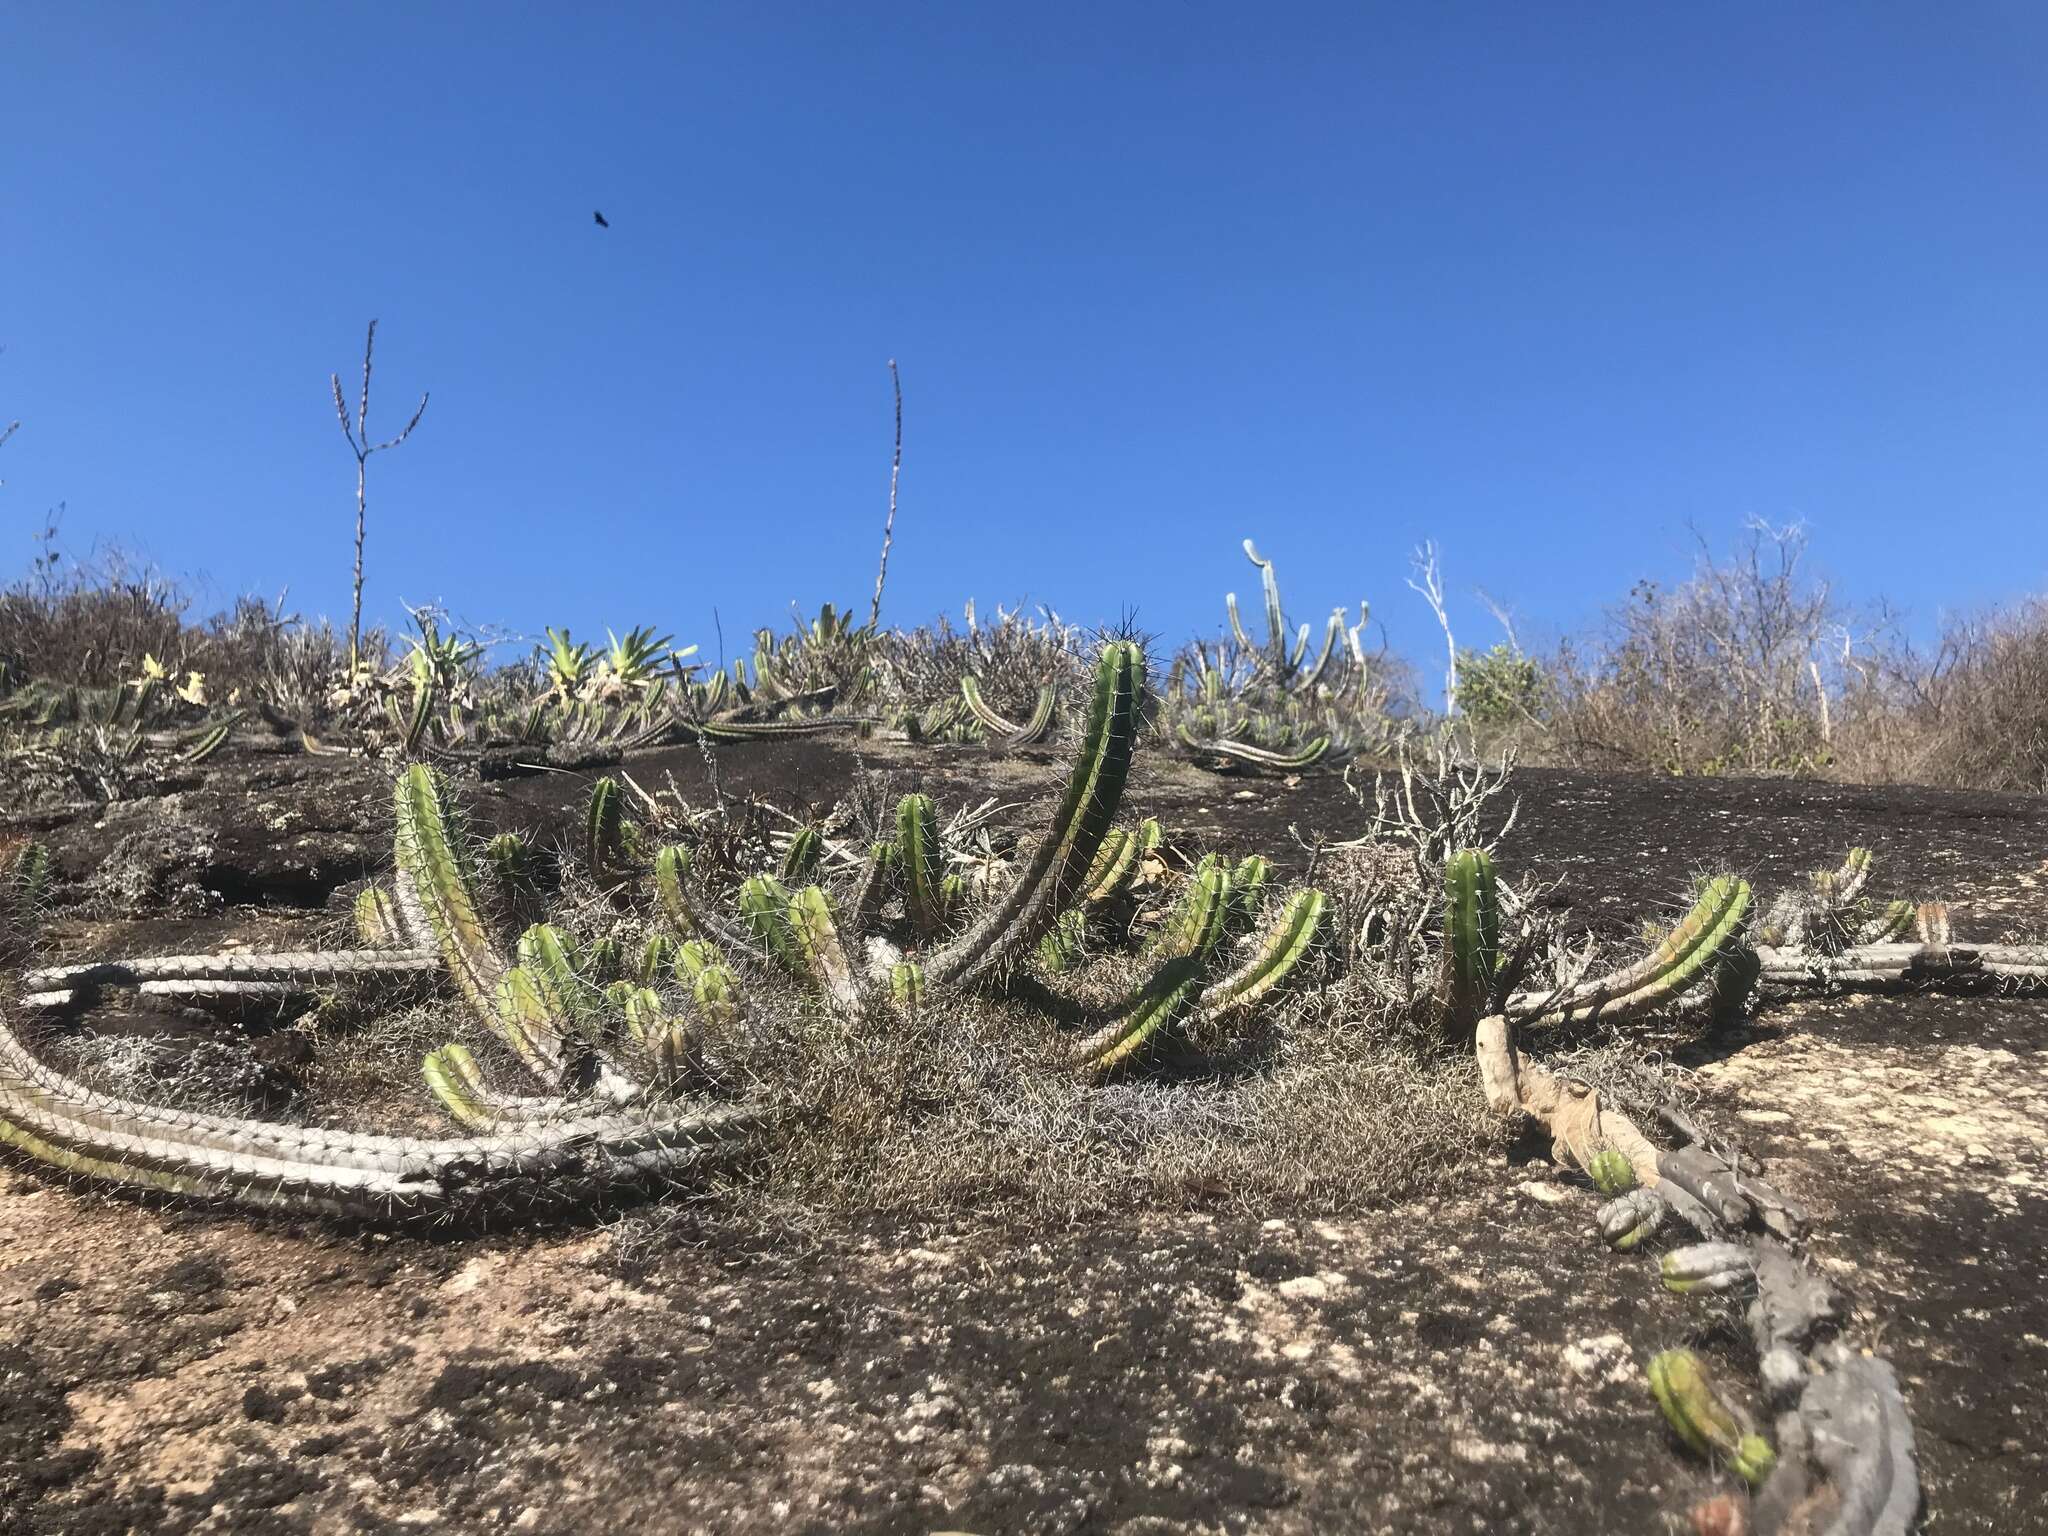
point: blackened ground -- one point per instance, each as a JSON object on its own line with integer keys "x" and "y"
{"x": 1469, "y": 1364}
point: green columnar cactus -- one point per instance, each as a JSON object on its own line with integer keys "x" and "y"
{"x": 208, "y": 742}
{"x": 1289, "y": 940}
{"x": 435, "y": 870}
{"x": 1704, "y": 1420}
{"x": 1248, "y": 890}
{"x": 510, "y": 859}
{"x": 1052, "y": 880}
{"x": 1889, "y": 926}
{"x": 1115, "y": 862}
{"x": 1713, "y": 925}
{"x": 1170, "y": 992}
{"x": 922, "y": 861}
{"x": 906, "y": 987}
{"x": 1471, "y": 935}
{"x": 377, "y": 918}
{"x": 824, "y": 955}
{"x": 806, "y": 852}
{"x": 1202, "y": 912}
{"x": 604, "y": 832}
{"x": 764, "y": 907}
{"x": 29, "y": 879}
{"x": 1063, "y": 948}
{"x": 657, "y": 956}
{"x": 716, "y": 991}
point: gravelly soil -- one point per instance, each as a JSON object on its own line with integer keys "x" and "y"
{"x": 1465, "y": 1365}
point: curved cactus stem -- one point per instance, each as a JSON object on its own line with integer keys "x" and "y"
{"x": 1115, "y": 862}
{"x": 1704, "y": 1420}
{"x": 1280, "y": 950}
{"x": 1052, "y": 880}
{"x": 208, "y": 743}
{"x": 1714, "y": 922}
{"x": 984, "y": 715}
{"x": 768, "y": 730}
{"x": 559, "y": 1164}
{"x": 923, "y": 862}
{"x": 292, "y": 971}
{"x": 1142, "y": 1018}
{"x": 437, "y": 876}
{"x": 1889, "y": 926}
{"x": 1580, "y": 1126}
{"x": 817, "y": 937}
{"x": 687, "y": 913}
{"x": 1039, "y": 726}
{"x": 1882, "y": 965}
{"x": 877, "y": 880}
{"x": 1242, "y": 754}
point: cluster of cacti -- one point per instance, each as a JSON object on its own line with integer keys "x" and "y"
{"x": 610, "y": 1058}
{"x": 1262, "y": 706}
{"x": 1822, "y": 1391}
{"x": 1830, "y": 933}
{"x": 1078, "y": 870}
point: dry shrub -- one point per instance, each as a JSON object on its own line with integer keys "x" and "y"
{"x": 1013, "y": 658}
{"x": 1717, "y": 675}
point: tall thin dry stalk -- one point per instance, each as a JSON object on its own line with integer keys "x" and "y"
{"x": 889, "y": 527}
{"x": 360, "y": 445}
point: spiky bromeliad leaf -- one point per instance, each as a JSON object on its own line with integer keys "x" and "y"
{"x": 1053, "y": 878}
{"x": 922, "y": 861}
{"x": 1715, "y": 922}
{"x": 1471, "y": 934}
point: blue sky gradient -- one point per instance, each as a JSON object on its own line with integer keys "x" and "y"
{"x": 1546, "y": 283}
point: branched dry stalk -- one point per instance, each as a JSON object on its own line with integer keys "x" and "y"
{"x": 889, "y": 526}
{"x": 1428, "y": 583}
{"x": 360, "y": 445}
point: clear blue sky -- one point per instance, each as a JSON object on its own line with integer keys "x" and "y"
{"x": 1543, "y": 282}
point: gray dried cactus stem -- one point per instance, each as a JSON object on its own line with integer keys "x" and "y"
{"x": 263, "y": 1166}
{"x": 282, "y": 974}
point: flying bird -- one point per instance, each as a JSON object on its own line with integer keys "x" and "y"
{"x": 602, "y": 221}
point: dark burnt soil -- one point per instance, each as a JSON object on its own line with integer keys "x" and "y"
{"x": 1469, "y": 1364}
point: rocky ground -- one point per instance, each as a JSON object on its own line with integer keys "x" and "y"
{"x": 1465, "y": 1364}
